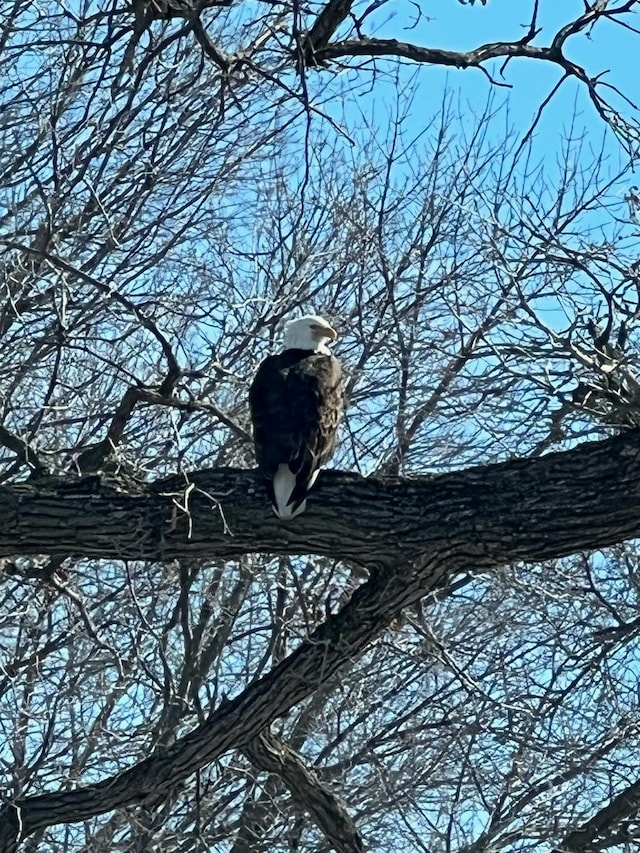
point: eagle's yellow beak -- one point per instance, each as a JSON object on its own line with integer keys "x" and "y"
{"x": 326, "y": 332}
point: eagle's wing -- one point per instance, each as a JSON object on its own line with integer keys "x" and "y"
{"x": 317, "y": 384}
{"x": 267, "y": 404}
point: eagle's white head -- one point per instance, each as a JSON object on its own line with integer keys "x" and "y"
{"x": 309, "y": 332}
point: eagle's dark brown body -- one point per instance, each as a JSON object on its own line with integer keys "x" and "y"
{"x": 296, "y": 402}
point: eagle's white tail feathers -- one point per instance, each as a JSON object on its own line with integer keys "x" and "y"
{"x": 288, "y": 513}
{"x": 284, "y": 482}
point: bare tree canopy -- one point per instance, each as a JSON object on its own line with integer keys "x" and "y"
{"x": 441, "y": 653}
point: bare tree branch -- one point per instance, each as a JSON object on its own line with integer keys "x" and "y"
{"x": 22, "y": 450}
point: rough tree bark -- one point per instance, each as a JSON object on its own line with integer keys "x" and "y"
{"x": 529, "y": 509}
{"x": 412, "y": 535}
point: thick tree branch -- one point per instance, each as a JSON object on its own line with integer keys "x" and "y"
{"x": 520, "y": 510}
{"x": 526, "y": 509}
{"x": 606, "y": 827}
{"x": 433, "y": 55}
{"x": 267, "y": 752}
{"x": 324, "y": 27}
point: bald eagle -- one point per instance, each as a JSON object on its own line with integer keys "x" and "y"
{"x": 296, "y": 404}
